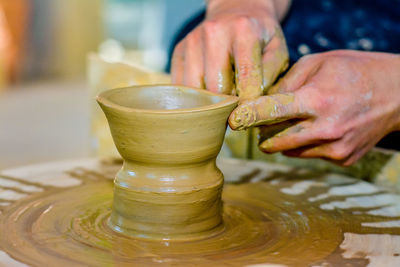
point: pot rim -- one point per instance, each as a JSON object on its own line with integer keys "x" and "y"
{"x": 229, "y": 100}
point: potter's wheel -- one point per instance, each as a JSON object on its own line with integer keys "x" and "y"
{"x": 56, "y": 215}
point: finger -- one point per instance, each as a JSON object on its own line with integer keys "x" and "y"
{"x": 193, "y": 64}
{"x": 355, "y": 156}
{"x": 269, "y": 131}
{"x": 267, "y": 110}
{"x": 298, "y": 152}
{"x": 299, "y": 135}
{"x": 217, "y": 66}
{"x": 247, "y": 56}
{"x": 338, "y": 152}
{"x": 177, "y": 63}
{"x": 275, "y": 59}
{"x": 297, "y": 76}
{"x": 335, "y": 151}
{"x": 318, "y": 151}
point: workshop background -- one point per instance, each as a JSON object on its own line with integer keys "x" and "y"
{"x": 44, "y": 110}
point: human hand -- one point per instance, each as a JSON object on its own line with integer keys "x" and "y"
{"x": 334, "y": 105}
{"x": 238, "y": 49}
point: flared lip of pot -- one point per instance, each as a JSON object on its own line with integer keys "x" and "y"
{"x": 228, "y": 100}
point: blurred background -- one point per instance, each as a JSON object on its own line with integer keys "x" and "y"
{"x": 51, "y": 38}
{"x": 44, "y": 46}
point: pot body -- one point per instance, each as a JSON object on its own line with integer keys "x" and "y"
{"x": 169, "y": 186}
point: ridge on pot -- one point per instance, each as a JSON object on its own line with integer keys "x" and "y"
{"x": 169, "y": 137}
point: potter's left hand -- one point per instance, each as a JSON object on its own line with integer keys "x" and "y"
{"x": 334, "y": 105}
{"x": 236, "y": 34}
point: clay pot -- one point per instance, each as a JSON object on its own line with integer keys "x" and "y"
{"x": 169, "y": 137}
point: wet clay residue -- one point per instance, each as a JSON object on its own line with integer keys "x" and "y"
{"x": 70, "y": 228}
{"x": 272, "y": 220}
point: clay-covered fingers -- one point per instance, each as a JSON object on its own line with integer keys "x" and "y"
{"x": 194, "y": 63}
{"x": 267, "y": 110}
{"x": 187, "y": 61}
{"x": 247, "y": 53}
{"x": 231, "y": 54}
{"x": 275, "y": 58}
{"x": 216, "y": 53}
{"x": 177, "y": 63}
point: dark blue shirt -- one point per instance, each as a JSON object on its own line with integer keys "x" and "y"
{"x": 323, "y": 25}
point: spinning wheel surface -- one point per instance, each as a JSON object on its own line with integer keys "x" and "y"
{"x": 274, "y": 215}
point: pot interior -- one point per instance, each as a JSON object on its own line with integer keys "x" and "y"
{"x": 163, "y": 97}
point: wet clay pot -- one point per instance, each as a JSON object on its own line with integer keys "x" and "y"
{"x": 169, "y": 137}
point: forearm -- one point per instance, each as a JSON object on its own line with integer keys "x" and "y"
{"x": 276, "y": 8}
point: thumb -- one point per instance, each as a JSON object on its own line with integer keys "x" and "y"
{"x": 267, "y": 110}
{"x": 297, "y": 76}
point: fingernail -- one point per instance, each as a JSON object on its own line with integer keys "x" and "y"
{"x": 266, "y": 145}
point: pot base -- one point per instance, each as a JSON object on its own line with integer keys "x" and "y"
{"x": 169, "y": 213}
{"x": 188, "y": 215}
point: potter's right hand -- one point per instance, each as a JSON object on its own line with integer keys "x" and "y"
{"x": 335, "y": 105}
{"x": 238, "y": 49}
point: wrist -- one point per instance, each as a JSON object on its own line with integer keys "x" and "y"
{"x": 265, "y": 7}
